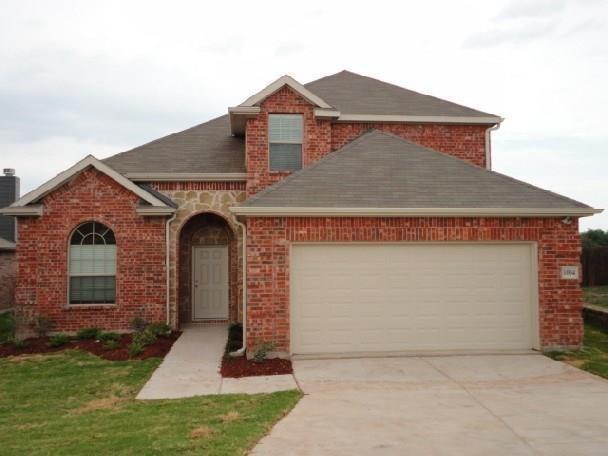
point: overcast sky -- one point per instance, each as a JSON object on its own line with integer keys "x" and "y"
{"x": 80, "y": 78}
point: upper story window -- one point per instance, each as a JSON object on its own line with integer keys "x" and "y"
{"x": 92, "y": 264}
{"x": 285, "y": 135}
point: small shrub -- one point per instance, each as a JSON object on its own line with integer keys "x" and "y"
{"x": 19, "y": 343}
{"x": 108, "y": 336}
{"x": 58, "y": 340}
{"x": 8, "y": 324}
{"x": 136, "y": 348}
{"x": 144, "y": 338}
{"x": 111, "y": 344}
{"x": 88, "y": 334}
{"x": 42, "y": 325}
{"x": 261, "y": 350}
{"x": 139, "y": 324}
{"x": 159, "y": 329}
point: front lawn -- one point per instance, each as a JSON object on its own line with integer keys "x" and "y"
{"x": 75, "y": 403}
{"x": 593, "y": 357}
{"x": 596, "y": 295}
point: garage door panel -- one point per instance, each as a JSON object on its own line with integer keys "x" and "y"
{"x": 374, "y": 297}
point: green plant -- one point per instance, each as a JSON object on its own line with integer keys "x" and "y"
{"x": 58, "y": 340}
{"x": 8, "y": 324}
{"x": 159, "y": 329}
{"x": 144, "y": 338}
{"x": 261, "y": 350}
{"x": 139, "y": 324}
{"x": 108, "y": 336}
{"x": 88, "y": 333}
{"x": 136, "y": 348}
{"x": 111, "y": 344}
{"x": 19, "y": 343}
{"x": 41, "y": 324}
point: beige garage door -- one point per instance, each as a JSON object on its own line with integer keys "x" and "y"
{"x": 348, "y": 298}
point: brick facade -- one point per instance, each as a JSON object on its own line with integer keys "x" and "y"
{"x": 268, "y": 240}
{"x": 42, "y": 253}
{"x": 321, "y": 137}
{"x": 8, "y": 270}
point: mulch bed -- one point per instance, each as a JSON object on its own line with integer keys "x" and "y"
{"x": 158, "y": 349}
{"x": 243, "y": 367}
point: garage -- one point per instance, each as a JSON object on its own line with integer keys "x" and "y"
{"x": 412, "y": 297}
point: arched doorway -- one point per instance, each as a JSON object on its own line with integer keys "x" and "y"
{"x": 207, "y": 270}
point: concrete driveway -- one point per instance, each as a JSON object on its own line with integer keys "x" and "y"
{"x": 457, "y": 405}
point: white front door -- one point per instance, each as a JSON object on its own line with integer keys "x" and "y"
{"x": 210, "y": 283}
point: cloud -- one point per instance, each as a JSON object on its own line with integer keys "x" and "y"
{"x": 523, "y": 9}
{"x": 511, "y": 35}
{"x": 288, "y": 48}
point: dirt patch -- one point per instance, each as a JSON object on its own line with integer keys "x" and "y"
{"x": 106, "y": 403}
{"x": 201, "y": 432}
{"x": 230, "y": 417}
{"x": 40, "y": 345}
{"x": 242, "y": 367}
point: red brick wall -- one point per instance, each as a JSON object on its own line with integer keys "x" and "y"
{"x": 466, "y": 142}
{"x": 42, "y": 251}
{"x": 317, "y": 138}
{"x": 8, "y": 269}
{"x": 321, "y": 137}
{"x": 268, "y": 242}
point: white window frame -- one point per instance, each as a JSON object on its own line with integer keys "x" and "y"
{"x": 301, "y": 142}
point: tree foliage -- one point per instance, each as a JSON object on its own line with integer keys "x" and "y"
{"x": 594, "y": 238}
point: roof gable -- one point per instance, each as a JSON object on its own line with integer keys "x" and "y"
{"x": 89, "y": 161}
{"x": 286, "y": 80}
{"x": 382, "y": 174}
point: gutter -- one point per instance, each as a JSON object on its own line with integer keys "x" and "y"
{"x": 489, "y": 145}
{"x": 167, "y": 266}
{"x": 241, "y": 351}
{"x": 411, "y": 212}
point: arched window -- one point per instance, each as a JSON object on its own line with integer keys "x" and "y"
{"x": 92, "y": 264}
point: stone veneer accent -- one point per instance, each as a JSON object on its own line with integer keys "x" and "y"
{"x": 268, "y": 241}
{"x": 195, "y": 198}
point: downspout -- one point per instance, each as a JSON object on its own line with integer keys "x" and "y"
{"x": 167, "y": 266}
{"x": 489, "y": 145}
{"x": 241, "y": 351}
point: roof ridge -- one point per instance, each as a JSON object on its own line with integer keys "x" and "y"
{"x": 481, "y": 168}
{"x": 330, "y": 156}
{"x": 163, "y": 137}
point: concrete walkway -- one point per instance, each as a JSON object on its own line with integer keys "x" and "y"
{"x": 191, "y": 368}
{"x": 460, "y": 405}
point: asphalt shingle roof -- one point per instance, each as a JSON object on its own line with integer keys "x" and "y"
{"x": 205, "y": 148}
{"x": 379, "y": 170}
{"x": 352, "y": 93}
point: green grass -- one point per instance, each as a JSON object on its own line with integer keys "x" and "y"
{"x": 596, "y": 295}
{"x": 74, "y": 403}
{"x": 593, "y": 357}
{"x": 6, "y": 326}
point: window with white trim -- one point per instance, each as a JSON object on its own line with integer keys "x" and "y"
{"x": 285, "y": 135}
{"x": 92, "y": 264}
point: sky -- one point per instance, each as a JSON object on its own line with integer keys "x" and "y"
{"x": 79, "y": 78}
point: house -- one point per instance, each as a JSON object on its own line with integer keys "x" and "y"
{"x": 346, "y": 215}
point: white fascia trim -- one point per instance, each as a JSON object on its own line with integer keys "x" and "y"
{"x": 410, "y": 212}
{"x": 152, "y": 211}
{"x": 23, "y": 211}
{"x": 249, "y": 111}
{"x": 186, "y": 177}
{"x": 278, "y": 84}
{"x": 88, "y": 161}
{"x": 322, "y": 113}
{"x": 419, "y": 119}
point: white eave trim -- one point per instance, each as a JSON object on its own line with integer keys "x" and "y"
{"x": 277, "y": 85}
{"x": 88, "y": 161}
{"x": 247, "y": 111}
{"x": 187, "y": 177}
{"x": 410, "y": 212}
{"x": 486, "y": 120}
{"x": 26, "y": 211}
{"x": 321, "y": 113}
{"x": 152, "y": 211}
